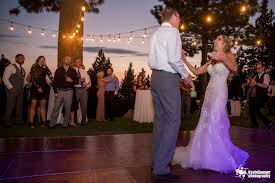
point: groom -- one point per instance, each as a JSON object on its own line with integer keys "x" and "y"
{"x": 167, "y": 67}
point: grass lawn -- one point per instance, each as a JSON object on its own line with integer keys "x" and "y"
{"x": 118, "y": 126}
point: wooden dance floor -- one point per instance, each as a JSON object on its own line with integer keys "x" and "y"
{"x": 117, "y": 159}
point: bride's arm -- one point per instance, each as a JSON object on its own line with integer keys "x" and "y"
{"x": 228, "y": 60}
{"x": 197, "y": 71}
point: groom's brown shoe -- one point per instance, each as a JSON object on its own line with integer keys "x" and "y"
{"x": 166, "y": 177}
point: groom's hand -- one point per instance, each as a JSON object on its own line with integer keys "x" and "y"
{"x": 183, "y": 55}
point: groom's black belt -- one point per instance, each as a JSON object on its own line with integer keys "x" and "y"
{"x": 157, "y": 70}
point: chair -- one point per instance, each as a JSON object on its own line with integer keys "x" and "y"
{"x": 243, "y": 108}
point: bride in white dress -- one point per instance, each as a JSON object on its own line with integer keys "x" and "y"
{"x": 210, "y": 146}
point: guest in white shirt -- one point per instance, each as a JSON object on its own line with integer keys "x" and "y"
{"x": 14, "y": 81}
{"x": 82, "y": 89}
{"x": 167, "y": 66}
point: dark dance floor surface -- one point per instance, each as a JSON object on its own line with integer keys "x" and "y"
{"x": 117, "y": 159}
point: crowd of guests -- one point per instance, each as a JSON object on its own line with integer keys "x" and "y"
{"x": 69, "y": 84}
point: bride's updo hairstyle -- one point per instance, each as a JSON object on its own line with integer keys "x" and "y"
{"x": 227, "y": 43}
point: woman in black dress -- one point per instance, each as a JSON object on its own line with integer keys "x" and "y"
{"x": 39, "y": 88}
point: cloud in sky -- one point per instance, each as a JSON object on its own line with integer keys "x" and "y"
{"x": 107, "y": 50}
{"x": 10, "y": 36}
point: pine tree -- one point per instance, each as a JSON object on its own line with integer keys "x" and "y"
{"x": 127, "y": 83}
{"x": 261, "y": 51}
{"x": 101, "y": 62}
{"x": 204, "y": 20}
{"x": 70, "y": 16}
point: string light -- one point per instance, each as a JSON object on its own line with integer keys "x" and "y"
{"x": 93, "y": 40}
{"x": 182, "y": 27}
{"x": 54, "y": 35}
{"x": 82, "y": 19}
{"x": 208, "y": 19}
{"x": 144, "y": 35}
{"x": 76, "y": 31}
{"x": 42, "y": 33}
{"x": 258, "y": 42}
{"x": 11, "y": 27}
{"x": 78, "y": 25}
{"x": 83, "y": 8}
{"x": 118, "y": 39}
{"x": 236, "y": 42}
{"x": 109, "y": 39}
{"x": 101, "y": 40}
{"x": 64, "y": 37}
{"x": 131, "y": 36}
{"x": 142, "y": 42}
{"x": 243, "y": 8}
{"x": 128, "y": 40}
{"x": 29, "y": 31}
{"x": 114, "y": 40}
{"x": 194, "y": 43}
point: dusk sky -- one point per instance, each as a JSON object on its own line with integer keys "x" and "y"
{"x": 115, "y": 16}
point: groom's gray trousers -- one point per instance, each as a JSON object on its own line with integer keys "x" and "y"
{"x": 165, "y": 88}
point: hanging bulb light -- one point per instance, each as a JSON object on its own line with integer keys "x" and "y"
{"x": 76, "y": 30}
{"x": 93, "y": 40}
{"x": 54, "y": 35}
{"x": 118, "y": 39}
{"x": 29, "y": 31}
{"x": 64, "y": 36}
{"x": 131, "y": 37}
{"x": 128, "y": 40}
{"x": 101, "y": 40}
{"x": 82, "y": 19}
{"x": 78, "y": 25}
{"x": 259, "y": 42}
{"x": 109, "y": 39}
{"x": 11, "y": 27}
{"x": 145, "y": 34}
{"x": 83, "y": 8}
{"x": 114, "y": 40}
{"x": 42, "y": 33}
{"x": 143, "y": 41}
{"x": 208, "y": 19}
{"x": 182, "y": 27}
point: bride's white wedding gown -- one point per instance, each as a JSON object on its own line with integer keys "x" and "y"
{"x": 210, "y": 146}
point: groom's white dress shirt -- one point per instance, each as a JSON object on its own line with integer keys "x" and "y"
{"x": 165, "y": 50}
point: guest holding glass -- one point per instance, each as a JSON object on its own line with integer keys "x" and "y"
{"x": 81, "y": 89}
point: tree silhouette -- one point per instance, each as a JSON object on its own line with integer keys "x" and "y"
{"x": 204, "y": 20}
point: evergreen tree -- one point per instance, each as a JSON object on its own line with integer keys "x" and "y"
{"x": 261, "y": 51}
{"x": 204, "y": 20}
{"x": 69, "y": 18}
{"x": 127, "y": 83}
{"x": 101, "y": 62}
